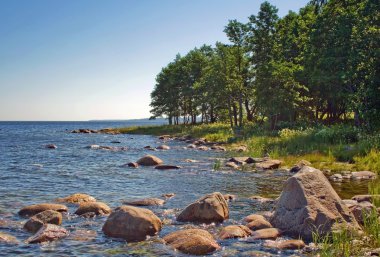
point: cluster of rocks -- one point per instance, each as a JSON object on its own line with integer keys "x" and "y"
{"x": 358, "y": 175}
{"x": 151, "y": 160}
{"x": 256, "y": 163}
{"x": 93, "y": 131}
{"x": 108, "y": 148}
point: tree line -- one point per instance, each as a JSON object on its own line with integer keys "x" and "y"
{"x": 318, "y": 65}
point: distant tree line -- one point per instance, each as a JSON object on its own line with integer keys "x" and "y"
{"x": 318, "y": 65}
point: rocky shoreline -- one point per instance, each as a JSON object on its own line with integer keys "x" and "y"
{"x": 308, "y": 204}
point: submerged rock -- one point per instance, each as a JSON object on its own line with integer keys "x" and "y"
{"x": 286, "y": 244}
{"x": 163, "y": 147}
{"x": 45, "y": 217}
{"x": 234, "y": 231}
{"x": 146, "y": 202}
{"x": 77, "y": 198}
{"x": 98, "y": 208}
{"x": 208, "y": 209}
{"x": 51, "y": 146}
{"x": 7, "y": 239}
{"x": 308, "y": 202}
{"x": 266, "y": 233}
{"x": 218, "y": 148}
{"x": 168, "y": 195}
{"x": 229, "y": 197}
{"x": 192, "y": 241}
{"x": 47, "y": 233}
{"x": 37, "y": 208}
{"x": 132, "y": 224}
{"x": 203, "y": 148}
{"x": 232, "y": 165}
{"x": 149, "y": 160}
{"x": 133, "y": 164}
{"x": 167, "y": 167}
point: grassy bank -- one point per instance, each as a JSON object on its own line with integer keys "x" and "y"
{"x": 336, "y": 148}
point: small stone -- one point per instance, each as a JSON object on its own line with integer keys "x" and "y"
{"x": 191, "y": 146}
{"x": 336, "y": 177}
{"x": 268, "y": 164}
{"x": 167, "y": 167}
{"x": 163, "y": 147}
{"x": 229, "y": 197}
{"x": 149, "y": 160}
{"x": 253, "y": 217}
{"x": 133, "y": 164}
{"x": 169, "y": 195}
{"x": 37, "y": 208}
{"x": 363, "y": 175}
{"x": 259, "y": 224}
{"x": 51, "y": 146}
{"x": 203, "y": 148}
{"x": 232, "y": 165}
{"x": 299, "y": 166}
{"x": 37, "y": 221}
{"x": 218, "y": 148}
{"x": 77, "y": 198}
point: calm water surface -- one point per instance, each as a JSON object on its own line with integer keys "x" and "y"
{"x": 30, "y": 173}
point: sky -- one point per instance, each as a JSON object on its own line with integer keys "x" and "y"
{"x": 74, "y": 60}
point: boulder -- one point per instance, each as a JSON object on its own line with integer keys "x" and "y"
{"x": 268, "y": 164}
{"x": 163, "y": 147}
{"x": 336, "y": 177}
{"x": 234, "y": 231}
{"x": 77, "y": 198}
{"x": 146, "y": 202}
{"x": 132, "y": 224}
{"x": 363, "y": 175}
{"x": 51, "y": 146}
{"x": 297, "y": 167}
{"x": 167, "y": 167}
{"x": 208, "y": 209}
{"x": 37, "y": 208}
{"x": 308, "y": 202}
{"x": 192, "y": 241}
{"x": 218, "y": 148}
{"x": 259, "y": 224}
{"x": 7, "y": 239}
{"x": 98, "y": 208}
{"x": 266, "y": 233}
{"x": 360, "y": 209}
{"x": 47, "y": 233}
{"x": 232, "y": 165}
{"x": 149, "y": 160}
{"x": 37, "y": 221}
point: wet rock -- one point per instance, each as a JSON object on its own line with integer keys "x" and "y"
{"x": 200, "y": 141}
{"x": 77, "y": 198}
{"x": 168, "y": 195}
{"x": 167, "y": 167}
{"x": 37, "y": 208}
{"x": 234, "y": 231}
{"x": 229, "y": 197}
{"x": 191, "y": 146}
{"x": 307, "y": 202}
{"x": 98, "y": 208}
{"x": 365, "y": 198}
{"x": 164, "y": 137}
{"x": 266, "y": 233}
{"x": 242, "y": 160}
{"x": 191, "y": 161}
{"x": 115, "y": 142}
{"x": 203, "y": 148}
{"x": 46, "y": 217}
{"x": 208, "y": 209}
{"x": 254, "y": 217}
{"x": 47, "y": 233}
{"x": 363, "y": 175}
{"x": 192, "y": 241}
{"x": 149, "y": 160}
{"x": 146, "y": 202}
{"x": 336, "y": 177}
{"x": 133, "y": 164}
{"x": 258, "y": 224}
{"x": 94, "y": 147}
{"x": 232, "y": 165}
{"x": 218, "y": 148}
{"x": 163, "y": 147}
{"x": 299, "y": 166}
{"x": 51, "y": 146}
{"x": 7, "y": 239}
{"x": 132, "y": 224}
{"x": 286, "y": 244}
{"x": 83, "y": 235}
{"x": 360, "y": 209}
{"x": 268, "y": 164}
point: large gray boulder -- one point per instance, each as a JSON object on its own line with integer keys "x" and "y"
{"x": 308, "y": 204}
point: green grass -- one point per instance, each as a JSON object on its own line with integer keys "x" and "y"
{"x": 337, "y": 148}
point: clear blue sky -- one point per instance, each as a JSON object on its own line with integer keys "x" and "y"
{"x": 98, "y": 59}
